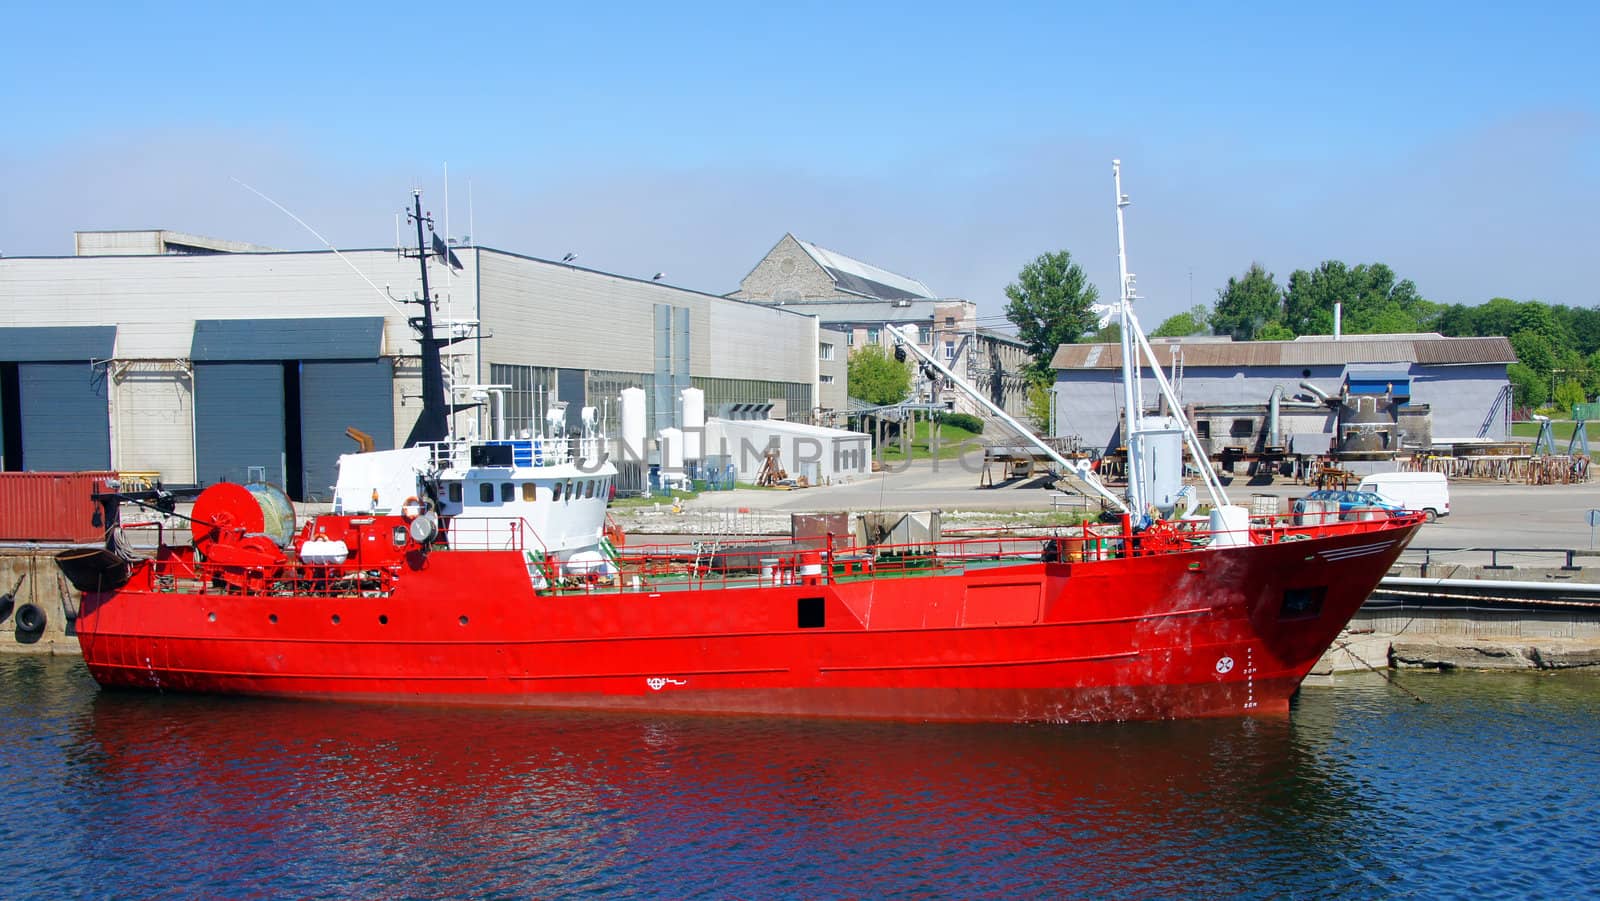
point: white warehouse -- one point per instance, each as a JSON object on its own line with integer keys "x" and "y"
{"x": 196, "y": 360}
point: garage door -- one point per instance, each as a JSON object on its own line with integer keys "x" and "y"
{"x": 238, "y": 422}
{"x": 65, "y": 423}
{"x": 334, "y": 396}
{"x": 57, "y": 418}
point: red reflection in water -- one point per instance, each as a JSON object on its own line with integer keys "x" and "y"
{"x": 373, "y": 800}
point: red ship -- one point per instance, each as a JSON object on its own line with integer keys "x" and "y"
{"x": 497, "y": 581}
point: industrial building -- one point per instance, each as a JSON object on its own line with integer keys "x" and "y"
{"x": 195, "y": 360}
{"x": 857, "y": 302}
{"x": 1360, "y": 395}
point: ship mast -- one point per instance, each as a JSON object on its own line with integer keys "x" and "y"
{"x": 432, "y": 423}
{"x": 1134, "y": 343}
{"x": 1132, "y": 396}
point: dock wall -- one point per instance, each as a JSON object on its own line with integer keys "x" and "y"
{"x": 29, "y": 575}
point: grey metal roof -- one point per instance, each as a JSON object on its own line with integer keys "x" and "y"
{"x": 852, "y": 275}
{"x": 330, "y": 338}
{"x": 57, "y": 343}
{"x": 1434, "y": 351}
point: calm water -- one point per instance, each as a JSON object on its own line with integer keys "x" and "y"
{"x": 1487, "y": 788}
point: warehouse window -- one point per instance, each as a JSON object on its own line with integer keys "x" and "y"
{"x": 1242, "y": 428}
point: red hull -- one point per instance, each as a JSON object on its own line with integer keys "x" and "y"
{"x": 1200, "y": 633}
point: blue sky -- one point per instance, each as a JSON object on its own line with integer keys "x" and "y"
{"x": 1458, "y": 143}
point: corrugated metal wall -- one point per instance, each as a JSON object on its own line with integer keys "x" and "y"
{"x": 335, "y": 395}
{"x": 65, "y": 425}
{"x": 238, "y": 421}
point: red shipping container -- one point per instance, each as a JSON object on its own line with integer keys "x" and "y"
{"x": 51, "y": 506}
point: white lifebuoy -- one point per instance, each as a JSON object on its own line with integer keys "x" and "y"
{"x": 411, "y": 508}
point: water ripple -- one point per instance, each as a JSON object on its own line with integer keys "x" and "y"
{"x": 1362, "y": 792}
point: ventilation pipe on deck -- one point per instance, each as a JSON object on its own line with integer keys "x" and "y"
{"x": 1272, "y": 416}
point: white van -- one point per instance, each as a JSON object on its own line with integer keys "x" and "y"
{"x": 1425, "y": 491}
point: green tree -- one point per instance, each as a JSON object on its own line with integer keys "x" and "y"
{"x": 1110, "y": 334}
{"x": 877, "y": 377}
{"x": 1194, "y": 321}
{"x": 1049, "y": 304}
{"x": 1568, "y": 393}
{"x": 1374, "y": 301}
{"x": 1248, "y": 303}
{"x": 1528, "y": 388}
{"x": 1038, "y": 404}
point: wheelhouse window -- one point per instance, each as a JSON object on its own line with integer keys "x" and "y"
{"x": 508, "y": 492}
{"x": 455, "y": 493}
{"x": 486, "y": 492}
{"x": 530, "y": 492}
{"x": 555, "y": 492}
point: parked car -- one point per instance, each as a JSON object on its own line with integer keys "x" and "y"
{"x": 1348, "y": 500}
{"x": 1425, "y": 491}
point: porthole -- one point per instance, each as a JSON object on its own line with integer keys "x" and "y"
{"x": 383, "y": 619}
{"x": 335, "y": 619}
{"x": 211, "y": 617}
{"x": 463, "y": 619}
{"x": 272, "y": 618}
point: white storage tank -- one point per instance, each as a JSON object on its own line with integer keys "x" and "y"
{"x": 671, "y": 442}
{"x": 1230, "y": 526}
{"x": 694, "y": 423}
{"x": 633, "y": 431}
{"x": 1161, "y": 461}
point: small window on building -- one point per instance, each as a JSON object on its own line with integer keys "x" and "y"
{"x": 555, "y": 492}
{"x": 486, "y": 492}
{"x": 1242, "y": 428}
{"x": 872, "y": 336}
{"x": 850, "y": 338}
{"x": 1202, "y": 429}
{"x": 455, "y": 492}
{"x": 824, "y": 351}
{"x": 508, "y": 492}
{"x": 924, "y": 334}
{"x": 949, "y": 351}
{"x": 530, "y": 492}
{"x": 949, "y": 322}
{"x": 827, "y": 379}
